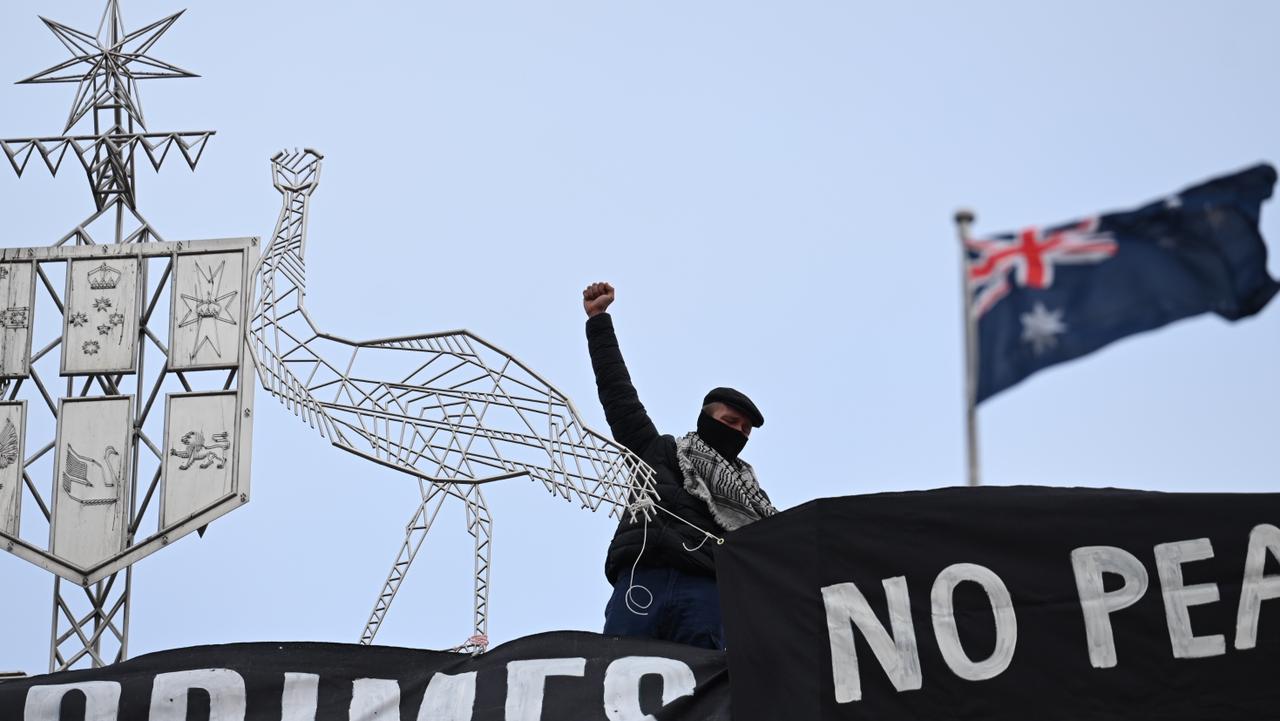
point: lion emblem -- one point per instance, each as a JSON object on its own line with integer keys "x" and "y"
{"x": 195, "y": 449}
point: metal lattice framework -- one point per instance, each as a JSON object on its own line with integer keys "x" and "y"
{"x": 450, "y": 409}
{"x": 91, "y": 606}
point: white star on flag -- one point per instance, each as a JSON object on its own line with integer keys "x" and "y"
{"x": 1041, "y": 328}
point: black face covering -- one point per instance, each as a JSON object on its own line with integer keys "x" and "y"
{"x": 726, "y": 441}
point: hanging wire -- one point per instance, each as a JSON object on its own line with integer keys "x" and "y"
{"x": 643, "y": 507}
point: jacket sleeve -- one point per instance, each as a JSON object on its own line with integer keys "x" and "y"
{"x": 628, "y": 420}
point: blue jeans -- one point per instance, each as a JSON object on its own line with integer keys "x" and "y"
{"x": 685, "y": 608}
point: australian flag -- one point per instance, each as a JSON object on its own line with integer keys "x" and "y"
{"x": 1044, "y": 296}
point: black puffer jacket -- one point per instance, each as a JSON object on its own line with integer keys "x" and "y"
{"x": 631, "y": 426}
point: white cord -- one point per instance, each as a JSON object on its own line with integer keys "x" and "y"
{"x": 700, "y": 545}
{"x": 634, "y": 606}
{"x": 644, "y": 505}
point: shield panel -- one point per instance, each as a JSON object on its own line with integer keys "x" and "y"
{"x": 203, "y": 446}
{"x": 100, "y": 326}
{"x": 17, "y": 304}
{"x": 206, "y": 322}
{"x": 91, "y": 479}
{"x": 13, "y": 432}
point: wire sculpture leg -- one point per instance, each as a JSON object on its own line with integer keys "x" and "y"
{"x": 480, "y": 526}
{"x": 415, "y": 533}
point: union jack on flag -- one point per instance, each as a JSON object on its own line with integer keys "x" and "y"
{"x": 1028, "y": 259}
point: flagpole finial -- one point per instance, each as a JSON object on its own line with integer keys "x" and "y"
{"x": 964, "y": 216}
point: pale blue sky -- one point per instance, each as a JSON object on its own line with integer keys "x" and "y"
{"x": 769, "y": 185}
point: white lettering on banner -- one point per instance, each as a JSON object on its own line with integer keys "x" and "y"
{"x": 225, "y": 688}
{"x": 1264, "y": 540}
{"x": 1179, "y": 598}
{"x": 944, "y": 621}
{"x": 622, "y": 685}
{"x": 526, "y": 681}
{"x": 374, "y": 699}
{"x": 897, "y": 654}
{"x": 449, "y": 698}
{"x": 1089, "y": 563}
{"x": 301, "y": 693}
{"x": 101, "y": 701}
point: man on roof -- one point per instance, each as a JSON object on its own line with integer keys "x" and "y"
{"x": 663, "y": 571}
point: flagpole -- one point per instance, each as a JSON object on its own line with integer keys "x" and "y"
{"x": 964, "y": 219}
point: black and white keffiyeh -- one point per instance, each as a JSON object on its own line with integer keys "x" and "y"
{"x": 730, "y": 489}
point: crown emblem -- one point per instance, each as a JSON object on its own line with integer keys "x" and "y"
{"x": 104, "y": 277}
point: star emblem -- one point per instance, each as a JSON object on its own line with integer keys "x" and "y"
{"x": 108, "y": 65}
{"x": 1041, "y": 328}
{"x": 207, "y": 307}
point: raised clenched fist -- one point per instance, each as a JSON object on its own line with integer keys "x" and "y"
{"x": 596, "y": 298}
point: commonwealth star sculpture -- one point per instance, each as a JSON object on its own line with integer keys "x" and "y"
{"x": 106, "y": 68}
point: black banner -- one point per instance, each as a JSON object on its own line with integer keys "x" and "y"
{"x": 563, "y": 675}
{"x": 1007, "y": 603}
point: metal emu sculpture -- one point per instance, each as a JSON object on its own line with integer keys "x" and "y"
{"x": 448, "y": 408}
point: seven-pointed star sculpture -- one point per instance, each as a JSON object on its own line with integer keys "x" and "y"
{"x": 107, "y": 66}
